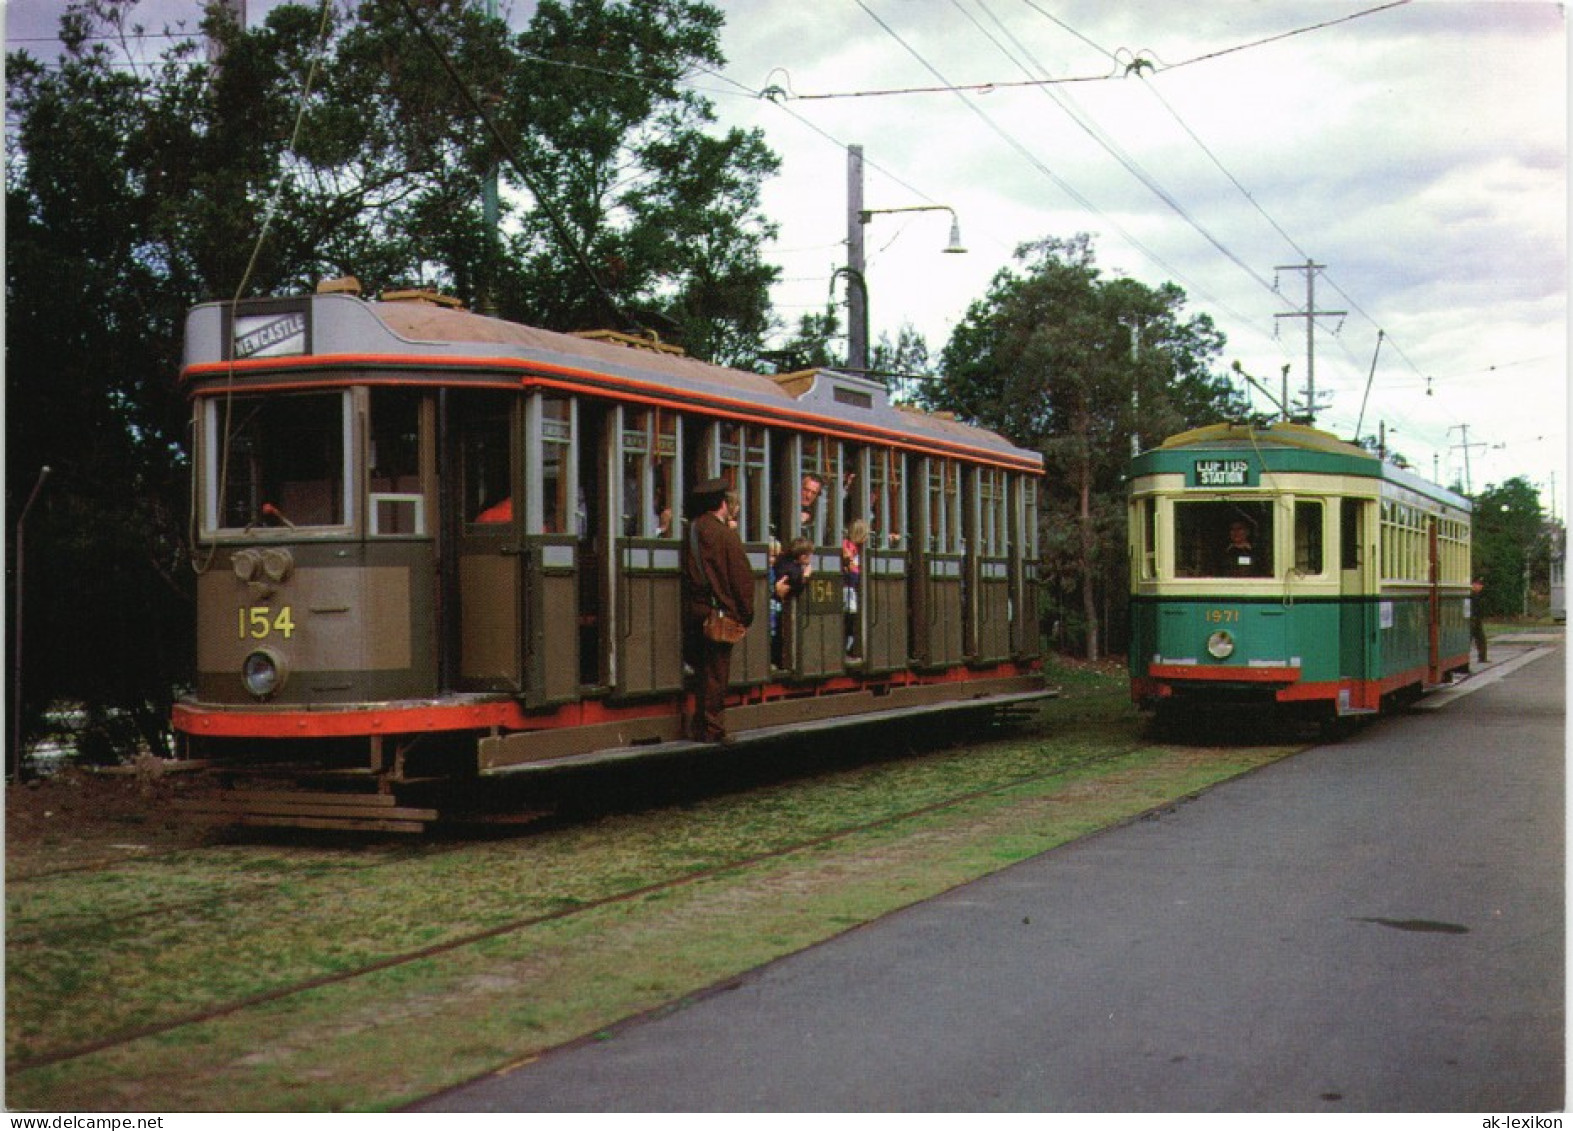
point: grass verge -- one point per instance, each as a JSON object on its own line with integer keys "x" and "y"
{"x": 149, "y": 942}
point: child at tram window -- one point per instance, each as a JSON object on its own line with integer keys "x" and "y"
{"x": 851, "y": 578}
{"x": 789, "y": 574}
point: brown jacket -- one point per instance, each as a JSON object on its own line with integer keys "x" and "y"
{"x": 720, "y": 567}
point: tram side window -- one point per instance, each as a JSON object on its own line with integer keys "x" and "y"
{"x": 1349, "y": 533}
{"x": 487, "y": 491}
{"x": 743, "y": 465}
{"x": 887, "y": 504}
{"x": 394, "y": 475}
{"x": 649, "y": 454}
{"x": 556, "y": 449}
{"x": 1308, "y": 537}
{"x": 284, "y": 462}
{"x": 755, "y": 487}
{"x": 1146, "y": 525}
{"x": 1223, "y": 538}
{"x": 814, "y": 521}
{"x": 945, "y": 535}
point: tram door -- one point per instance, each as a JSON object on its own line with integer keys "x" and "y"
{"x": 1357, "y": 575}
{"x": 937, "y": 564}
{"x": 560, "y": 550}
{"x": 484, "y": 639}
{"x": 647, "y": 621}
{"x": 816, "y": 635}
{"x": 1434, "y": 603}
{"x": 743, "y": 452}
{"x": 1025, "y": 639}
{"x": 988, "y": 605}
{"x": 884, "y": 595}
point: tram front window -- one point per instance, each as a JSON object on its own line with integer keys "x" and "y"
{"x": 277, "y": 461}
{"x": 1223, "y": 538}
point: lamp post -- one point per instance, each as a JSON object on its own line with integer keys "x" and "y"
{"x": 857, "y": 217}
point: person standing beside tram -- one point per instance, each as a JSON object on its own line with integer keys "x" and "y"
{"x": 716, "y": 574}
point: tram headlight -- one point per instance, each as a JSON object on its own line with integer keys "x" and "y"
{"x": 277, "y": 564}
{"x": 246, "y": 564}
{"x": 263, "y": 672}
{"x": 1220, "y": 645}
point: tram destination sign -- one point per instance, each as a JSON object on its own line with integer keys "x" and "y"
{"x": 274, "y": 335}
{"x": 1222, "y": 473}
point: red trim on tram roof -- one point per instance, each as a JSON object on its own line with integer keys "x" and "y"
{"x": 696, "y": 400}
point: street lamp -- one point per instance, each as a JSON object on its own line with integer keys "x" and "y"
{"x": 857, "y": 217}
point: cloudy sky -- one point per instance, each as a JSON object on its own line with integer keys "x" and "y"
{"x": 1415, "y": 151}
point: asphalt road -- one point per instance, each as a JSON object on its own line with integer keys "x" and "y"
{"x": 1372, "y": 926}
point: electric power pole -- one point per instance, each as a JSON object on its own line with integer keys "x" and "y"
{"x": 1463, "y": 429}
{"x": 1310, "y": 314}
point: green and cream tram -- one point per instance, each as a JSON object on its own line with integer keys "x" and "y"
{"x": 1280, "y": 565}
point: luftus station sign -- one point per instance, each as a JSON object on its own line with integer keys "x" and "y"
{"x": 1222, "y": 473}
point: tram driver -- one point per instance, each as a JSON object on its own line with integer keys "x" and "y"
{"x": 1240, "y": 557}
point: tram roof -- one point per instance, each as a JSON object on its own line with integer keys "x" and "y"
{"x": 1293, "y": 447}
{"x": 345, "y": 329}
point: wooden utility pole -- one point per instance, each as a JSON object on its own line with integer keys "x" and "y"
{"x": 1310, "y": 314}
{"x": 857, "y": 293}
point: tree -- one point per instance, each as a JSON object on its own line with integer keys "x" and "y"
{"x": 1507, "y": 543}
{"x": 902, "y": 364}
{"x": 137, "y": 186}
{"x": 1059, "y": 359}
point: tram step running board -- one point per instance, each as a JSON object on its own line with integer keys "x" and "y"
{"x": 369, "y": 812}
{"x": 761, "y": 735}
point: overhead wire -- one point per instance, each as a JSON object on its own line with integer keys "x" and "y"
{"x": 1090, "y": 127}
{"x": 1036, "y": 162}
{"x": 1121, "y": 71}
{"x": 1153, "y": 90}
{"x": 554, "y": 220}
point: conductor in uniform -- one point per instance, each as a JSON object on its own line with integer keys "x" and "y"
{"x": 716, "y": 574}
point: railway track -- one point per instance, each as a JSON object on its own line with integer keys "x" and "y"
{"x": 629, "y": 893}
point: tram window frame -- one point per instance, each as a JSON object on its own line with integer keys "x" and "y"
{"x": 1349, "y": 533}
{"x": 556, "y": 487}
{"x": 743, "y": 452}
{"x": 1145, "y": 523}
{"x": 853, "y": 491}
{"x": 1310, "y": 537}
{"x": 816, "y": 457}
{"x": 754, "y": 489}
{"x": 647, "y": 451}
{"x": 396, "y": 459}
{"x": 992, "y": 494}
{"x": 485, "y": 440}
{"x": 1201, "y": 534}
{"x": 290, "y": 419}
{"x": 887, "y": 517}
{"x": 1029, "y": 528}
{"x": 943, "y": 506}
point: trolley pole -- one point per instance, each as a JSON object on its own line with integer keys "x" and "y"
{"x": 491, "y": 213}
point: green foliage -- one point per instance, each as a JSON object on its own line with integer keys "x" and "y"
{"x": 1509, "y": 544}
{"x": 1062, "y": 360}
{"x": 138, "y": 186}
